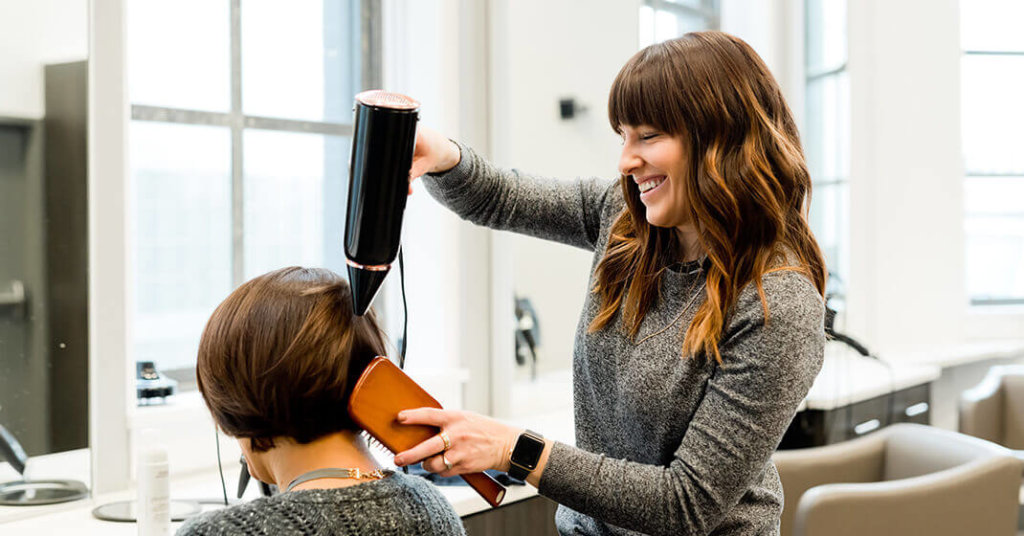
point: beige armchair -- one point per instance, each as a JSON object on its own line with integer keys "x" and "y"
{"x": 994, "y": 409}
{"x": 903, "y": 479}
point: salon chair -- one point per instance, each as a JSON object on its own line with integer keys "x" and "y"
{"x": 994, "y": 410}
{"x": 903, "y": 479}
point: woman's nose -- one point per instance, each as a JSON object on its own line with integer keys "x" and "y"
{"x": 629, "y": 161}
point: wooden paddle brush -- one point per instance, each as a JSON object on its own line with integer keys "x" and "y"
{"x": 382, "y": 391}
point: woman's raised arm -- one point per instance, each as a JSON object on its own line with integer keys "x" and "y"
{"x": 564, "y": 211}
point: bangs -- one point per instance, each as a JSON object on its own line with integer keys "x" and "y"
{"x": 648, "y": 91}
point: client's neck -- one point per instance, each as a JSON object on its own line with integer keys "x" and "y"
{"x": 288, "y": 459}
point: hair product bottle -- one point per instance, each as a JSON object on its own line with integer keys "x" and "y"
{"x": 153, "y": 507}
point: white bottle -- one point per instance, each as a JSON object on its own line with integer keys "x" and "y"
{"x": 153, "y": 505}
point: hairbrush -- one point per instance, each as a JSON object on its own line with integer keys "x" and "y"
{"x": 382, "y": 391}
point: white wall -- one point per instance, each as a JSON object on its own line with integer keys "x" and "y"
{"x": 544, "y": 51}
{"x": 435, "y": 51}
{"x": 906, "y": 186}
{"x": 33, "y": 34}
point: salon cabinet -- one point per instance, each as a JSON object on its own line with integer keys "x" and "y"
{"x": 529, "y": 517}
{"x": 817, "y": 427}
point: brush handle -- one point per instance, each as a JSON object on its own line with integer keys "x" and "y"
{"x": 486, "y": 486}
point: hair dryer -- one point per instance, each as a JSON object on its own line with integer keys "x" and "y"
{"x": 382, "y": 148}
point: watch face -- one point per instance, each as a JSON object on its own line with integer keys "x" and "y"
{"x": 527, "y": 452}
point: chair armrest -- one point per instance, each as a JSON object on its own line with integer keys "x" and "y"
{"x": 857, "y": 460}
{"x": 916, "y": 450}
{"x": 981, "y": 410}
{"x": 978, "y": 498}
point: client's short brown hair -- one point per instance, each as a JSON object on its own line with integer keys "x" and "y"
{"x": 280, "y": 355}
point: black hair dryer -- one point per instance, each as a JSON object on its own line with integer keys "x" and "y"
{"x": 382, "y": 148}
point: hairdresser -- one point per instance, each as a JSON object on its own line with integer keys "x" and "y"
{"x": 703, "y": 329}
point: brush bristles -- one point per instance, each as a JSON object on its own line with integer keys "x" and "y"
{"x": 372, "y": 441}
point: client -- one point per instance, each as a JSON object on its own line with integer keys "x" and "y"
{"x": 276, "y": 366}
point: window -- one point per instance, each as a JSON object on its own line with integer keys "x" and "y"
{"x": 992, "y": 75}
{"x": 667, "y": 19}
{"x": 827, "y": 129}
{"x": 239, "y": 148}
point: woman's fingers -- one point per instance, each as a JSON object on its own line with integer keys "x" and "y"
{"x": 430, "y": 416}
{"x": 477, "y": 442}
{"x": 419, "y": 452}
{"x": 418, "y": 169}
{"x": 433, "y": 153}
{"x": 435, "y": 464}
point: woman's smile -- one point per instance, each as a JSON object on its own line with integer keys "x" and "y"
{"x": 649, "y": 184}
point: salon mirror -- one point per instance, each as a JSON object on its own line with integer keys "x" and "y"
{"x": 43, "y": 235}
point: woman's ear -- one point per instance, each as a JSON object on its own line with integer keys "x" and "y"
{"x": 254, "y": 461}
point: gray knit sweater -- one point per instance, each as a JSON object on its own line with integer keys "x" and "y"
{"x": 397, "y": 505}
{"x": 664, "y": 445}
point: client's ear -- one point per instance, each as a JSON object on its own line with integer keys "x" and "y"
{"x": 254, "y": 461}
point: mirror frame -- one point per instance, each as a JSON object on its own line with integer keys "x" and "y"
{"x": 109, "y": 259}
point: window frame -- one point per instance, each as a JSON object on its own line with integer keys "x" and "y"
{"x": 709, "y": 11}
{"x": 115, "y": 419}
{"x": 811, "y": 76}
{"x": 238, "y": 122}
{"x": 993, "y": 302}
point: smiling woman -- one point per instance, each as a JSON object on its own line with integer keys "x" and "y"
{"x": 742, "y": 201}
{"x": 703, "y": 329}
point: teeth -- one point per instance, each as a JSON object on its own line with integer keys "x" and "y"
{"x": 651, "y": 184}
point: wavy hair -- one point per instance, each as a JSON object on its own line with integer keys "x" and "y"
{"x": 747, "y": 188}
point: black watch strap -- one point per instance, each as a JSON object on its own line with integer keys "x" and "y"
{"x": 525, "y": 455}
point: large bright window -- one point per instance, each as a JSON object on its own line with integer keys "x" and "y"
{"x": 661, "y": 20}
{"x": 239, "y": 142}
{"x": 992, "y": 86}
{"x": 826, "y": 134}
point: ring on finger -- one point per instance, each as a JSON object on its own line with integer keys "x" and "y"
{"x": 447, "y": 440}
{"x": 447, "y": 463}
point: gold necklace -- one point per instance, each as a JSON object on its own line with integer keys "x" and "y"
{"x": 335, "y": 472}
{"x": 681, "y": 313}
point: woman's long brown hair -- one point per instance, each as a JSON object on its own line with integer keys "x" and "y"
{"x": 747, "y": 187}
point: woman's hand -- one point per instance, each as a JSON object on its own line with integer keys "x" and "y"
{"x": 434, "y": 153}
{"x": 477, "y": 442}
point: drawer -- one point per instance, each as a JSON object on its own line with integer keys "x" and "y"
{"x": 912, "y": 405}
{"x": 814, "y": 428}
{"x": 868, "y": 416}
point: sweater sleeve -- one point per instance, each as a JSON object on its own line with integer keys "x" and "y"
{"x": 508, "y": 200}
{"x": 767, "y": 369}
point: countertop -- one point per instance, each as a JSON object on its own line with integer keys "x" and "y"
{"x": 76, "y": 517}
{"x": 846, "y": 377}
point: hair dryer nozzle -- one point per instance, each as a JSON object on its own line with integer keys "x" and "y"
{"x": 365, "y": 285}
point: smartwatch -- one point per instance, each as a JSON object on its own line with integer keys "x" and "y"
{"x": 525, "y": 455}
